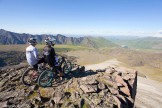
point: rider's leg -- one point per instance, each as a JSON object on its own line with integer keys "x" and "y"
{"x": 35, "y": 66}
{"x": 40, "y": 60}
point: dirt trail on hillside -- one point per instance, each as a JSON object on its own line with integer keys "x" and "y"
{"x": 149, "y": 92}
{"x": 113, "y": 63}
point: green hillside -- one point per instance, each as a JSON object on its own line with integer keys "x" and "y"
{"x": 100, "y": 42}
{"x": 154, "y": 43}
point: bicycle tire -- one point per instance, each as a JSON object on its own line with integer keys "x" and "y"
{"x": 28, "y": 78}
{"x": 67, "y": 67}
{"x": 46, "y": 78}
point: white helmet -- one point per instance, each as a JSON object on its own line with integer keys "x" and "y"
{"x": 32, "y": 41}
{"x": 50, "y": 41}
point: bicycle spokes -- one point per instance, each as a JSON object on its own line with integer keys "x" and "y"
{"x": 29, "y": 77}
{"x": 45, "y": 78}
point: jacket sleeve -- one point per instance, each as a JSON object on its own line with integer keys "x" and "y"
{"x": 53, "y": 53}
{"x": 35, "y": 52}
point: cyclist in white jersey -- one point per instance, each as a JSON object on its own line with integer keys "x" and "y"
{"x": 32, "y": 54}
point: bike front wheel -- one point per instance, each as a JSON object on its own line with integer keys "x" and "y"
{"x": 29, "y": 77}
{"x": 45, "y": 78}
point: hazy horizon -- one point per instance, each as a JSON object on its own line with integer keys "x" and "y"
{"x": 78, "y": 35}
{"x": 83, "y": 17}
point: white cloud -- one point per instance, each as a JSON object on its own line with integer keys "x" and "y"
{"x": 158, "y": 33}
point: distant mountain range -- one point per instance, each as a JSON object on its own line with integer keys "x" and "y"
{"x": 7, "y": 37}
{"x": 139, "y": 42}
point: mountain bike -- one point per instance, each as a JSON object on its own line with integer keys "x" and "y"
{"x": 47, "y": 76}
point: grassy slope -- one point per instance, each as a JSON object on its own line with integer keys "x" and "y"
{"x": 102, "y": 42}
{"x": 22, "y": 47}
{"x": 152, "y": 43}
{"x": 150, "y": 72}
{"x": 147, "y": 63}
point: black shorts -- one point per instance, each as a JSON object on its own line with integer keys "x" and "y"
{"x": 40, "y": 61}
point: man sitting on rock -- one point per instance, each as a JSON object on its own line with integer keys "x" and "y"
{"x": 49, "y": 54}
{"x": 32, "y": 54}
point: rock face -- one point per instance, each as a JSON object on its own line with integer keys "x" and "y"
{"x": 108, "y": 88}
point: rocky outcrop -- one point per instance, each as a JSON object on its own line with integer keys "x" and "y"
{"x": 108, "y": 88}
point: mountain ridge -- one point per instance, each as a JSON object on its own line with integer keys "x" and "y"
{"x": 7, "y": 38}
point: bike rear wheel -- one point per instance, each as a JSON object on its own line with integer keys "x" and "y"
{"x": 29, "y": 77}
{"x": 45, "y": 78}
{"x": 67, "y": 68}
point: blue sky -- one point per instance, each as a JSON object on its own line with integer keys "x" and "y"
{"x": 82, "y": 17}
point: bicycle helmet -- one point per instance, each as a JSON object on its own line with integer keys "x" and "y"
{"x": 32, "y": 41}
{"x": 50, "y": 41}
